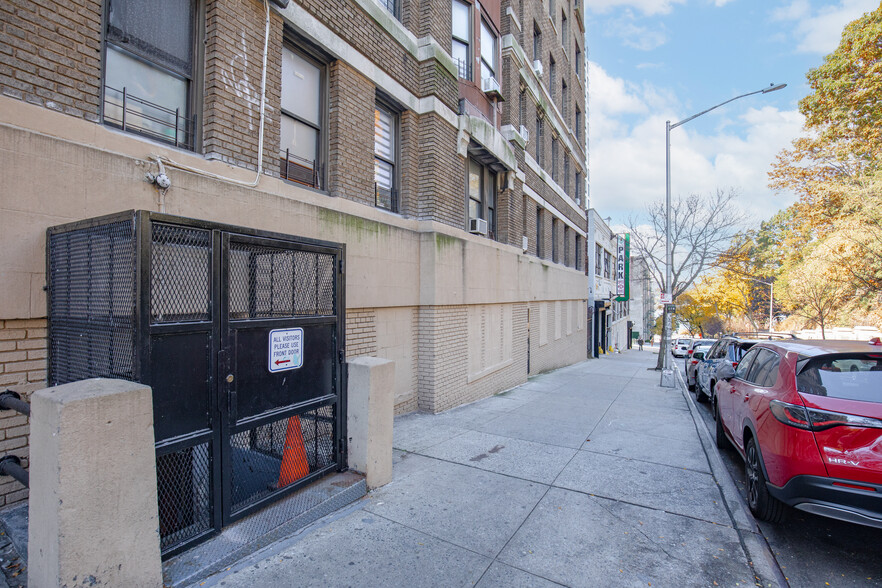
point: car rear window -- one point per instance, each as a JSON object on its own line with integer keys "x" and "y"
{"x": 856, "y": 377}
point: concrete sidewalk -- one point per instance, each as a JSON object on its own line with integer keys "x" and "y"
{"x": 591, "y": 475}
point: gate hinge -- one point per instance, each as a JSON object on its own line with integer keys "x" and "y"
{"x": 341, "y": 264}
{"x": 342, "y": 355}
{"x": 340, "y": 446}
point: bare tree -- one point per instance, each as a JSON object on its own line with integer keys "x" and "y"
{"x": 701, "y": 228}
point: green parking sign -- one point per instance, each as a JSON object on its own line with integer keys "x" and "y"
{"x": 670, "y": 308}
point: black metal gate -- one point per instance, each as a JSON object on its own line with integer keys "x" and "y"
{"x": 240, "y": 334}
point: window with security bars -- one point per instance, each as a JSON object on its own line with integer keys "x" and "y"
{"x": 385, "y": 156}
{"x": 150, "y": 62}
{"x": 302, "y": 118}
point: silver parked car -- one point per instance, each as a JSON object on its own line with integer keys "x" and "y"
{"x": 680, "y": 347}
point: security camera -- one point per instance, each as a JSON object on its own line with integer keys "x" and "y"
{"x": 163, "y": 181}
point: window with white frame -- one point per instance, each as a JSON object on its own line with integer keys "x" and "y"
{"x": 598, "y": 259}
{"x": 385, "y": 156}
{"x": 302, "y": 118}
{"x": 489, "y": 50}
{"x": 150, "y": 57}
{"x": 462, "y": 37}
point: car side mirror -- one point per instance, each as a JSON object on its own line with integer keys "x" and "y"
{"x": 725, "y": 371}
{"x": 698, "y": 355}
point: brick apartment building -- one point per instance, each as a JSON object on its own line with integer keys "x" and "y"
{"x": 442, "y": 141}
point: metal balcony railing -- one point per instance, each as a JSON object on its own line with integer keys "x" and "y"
{"x": 393, "y": 7}
{"x": 465, "y": 69}
{"x": 136, "y": 115}
{"x": 300, "y": 170}
{"x": 385, "y": 198}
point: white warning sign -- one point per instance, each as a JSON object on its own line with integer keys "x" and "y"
{"x": 285, "y": 349}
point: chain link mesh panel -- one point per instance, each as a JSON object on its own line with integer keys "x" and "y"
{"x": 266, "y": 282}
{"x": 180, "y": 274}
{"x": 272, "y": 456}
{"x": 92, "y": 303}
{"x": 184, "y": 493}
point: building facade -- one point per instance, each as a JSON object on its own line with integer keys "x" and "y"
{"x": 442, "y": 141}
{"x": 611, "y": 324}
{"x": 643, "y": 299}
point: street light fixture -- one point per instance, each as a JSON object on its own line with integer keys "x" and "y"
{"x": 666, "y": 327}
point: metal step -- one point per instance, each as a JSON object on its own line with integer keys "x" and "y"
{"x": 280, "y": 520}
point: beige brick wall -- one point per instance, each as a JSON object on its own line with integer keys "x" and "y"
{"x": 14, "y": 440}
{"x": 22, "y": 351}
{"x": 50, "y": 54}
{"x": 361, "y": 333}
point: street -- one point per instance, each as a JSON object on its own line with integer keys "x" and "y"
{"x": 811, "y": 550}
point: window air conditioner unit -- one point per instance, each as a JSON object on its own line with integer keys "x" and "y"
{"x": 525, "y": 243}
{"x": 477, "y": 226}
{"x": 490, "y": 86}
{"x": 537, "y": 67}
{"x": 525, "y": 133}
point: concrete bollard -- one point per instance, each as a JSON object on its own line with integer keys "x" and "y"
{"x": 369, "y": 419}
{"x": 93, "y": 515}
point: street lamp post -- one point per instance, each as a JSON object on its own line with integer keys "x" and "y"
{"x": 669, "y": 262}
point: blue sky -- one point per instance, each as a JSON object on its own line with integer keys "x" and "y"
{"x": 657, "y": 60}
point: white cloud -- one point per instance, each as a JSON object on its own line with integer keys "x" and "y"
{"x": 819, "y": 31}
{"x": 627, "y": 150}
{"x": 648, "y": 7}
{"x": 634, "y": 35}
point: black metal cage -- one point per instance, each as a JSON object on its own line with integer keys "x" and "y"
{"x": 240, "y": 335}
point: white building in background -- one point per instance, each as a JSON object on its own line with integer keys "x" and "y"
{"x": 610, "y": 325}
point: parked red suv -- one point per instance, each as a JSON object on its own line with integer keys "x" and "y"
{"x": 806, "y": 416}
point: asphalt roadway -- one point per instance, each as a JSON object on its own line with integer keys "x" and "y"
{"x": 590, "y": 475}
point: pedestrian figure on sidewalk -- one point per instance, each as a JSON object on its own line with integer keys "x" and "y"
{"x": 640, "y": 343}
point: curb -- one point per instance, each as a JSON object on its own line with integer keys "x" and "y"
{"x": 756, "y": 548}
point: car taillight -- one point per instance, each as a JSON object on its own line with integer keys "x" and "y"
{"x": 690, "y": 352}
{"x": 813, "y": 419}
{"x": 734, "y": 364}
{"x": 694, "y": 361}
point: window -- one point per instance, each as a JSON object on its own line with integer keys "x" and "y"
{"x": 462, "y": 38}
{"x": 554, "y": 158}
{"x": 566, "y": 245}
{"x": 392, "y": 6}
{"x": 598, "y": 259}
{"x": 744, "y": 365}
{"x": 555, "y": 253}
{"x": 578, "y": 62}
{"x": 551, "y": 9}
{"x": 302, "y": 120}
{"x": 578, "y": 265}
{"x": 564, "y": 31}
{"x": 764, "y": 371}
{"x": 539, "y": 141}
{"x": 537, "y": 43}
{"x": 488, "y": 52}
{"x": 385, "y": 156}
{"x": 566, "y": 174}
{"x": 522, "y": 107}
{"x": 539, "y": 232}
{"x": 564, "y": 98}
{"x": 607, "y": 262}
{"x": 552, "y": 74}
{"x": 578, "y": 124}
{"x": 482, "y": 195}
{"x": 579, "y": 187}
{"x": 149, "y": 71}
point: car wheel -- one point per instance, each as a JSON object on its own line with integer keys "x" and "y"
{"x": 763, "y": 505}
{"x": 700, "y": 396}
{"x": 720, "y": 437}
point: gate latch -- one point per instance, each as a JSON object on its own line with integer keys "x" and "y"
{"x": 342, "y": 355}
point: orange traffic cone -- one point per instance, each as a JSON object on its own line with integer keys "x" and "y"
{"x": 294, "y": 463}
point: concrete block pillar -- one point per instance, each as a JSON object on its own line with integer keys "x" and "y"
{"x": 369, "y": 419}
{"x": 93, "y": 510}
